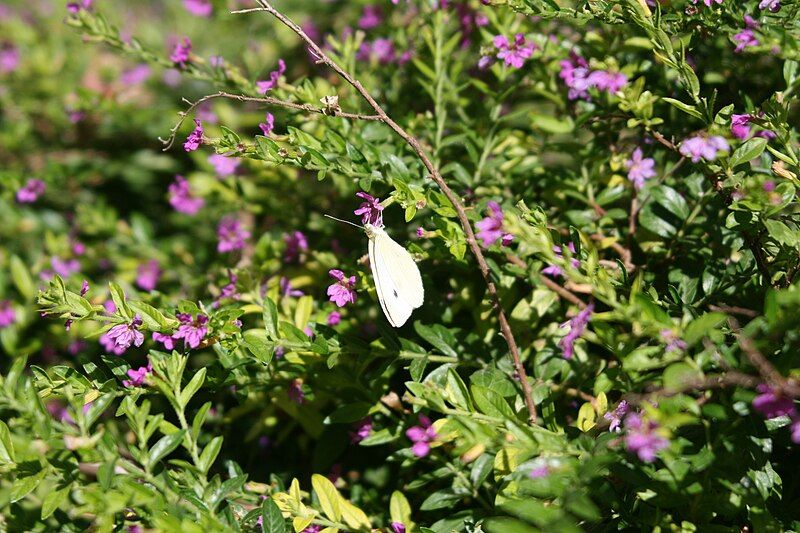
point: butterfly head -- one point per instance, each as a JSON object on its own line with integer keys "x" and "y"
{"x": 372, "y": 230}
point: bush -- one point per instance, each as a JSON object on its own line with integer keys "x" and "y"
{"x": 600, "y": 196}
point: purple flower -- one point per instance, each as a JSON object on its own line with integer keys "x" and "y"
{"x": 191, "y": 330}
{"x": 381, "y": 50}
{"x": 421, "y": 436}
{"x": 371, "y": 210}
{"x": 286, "y": 289}
{"x": 745, "y": 39}
{"x": 555, "y": 270}
{"x": 371, "y": 17}
{"x": 615, "y": 417}
{"x": 361, "y": 430}
{"x": 110, "y": 306}
{"x": 398, "y": 527}
{"x": 708, "y": 3}
{"x": 224, "y": 165}
{"x": 514, "y": 54}
{"x": 674, "y": 343}
{"x": 195, "y": 139}
{"x": 166, "y": 340}
{"x": 707, "y": 148}
{"x": 296, "y": 244}
{"x": 575, "y": 72}
{"x": 9, "y": 58}
{"x": 772, "y": 5}
{"x": 31, "y": 192}
{"x": 576, "y": 327}
{"x": 181, "y": 198}
{"x": 231, "y": 235}
{"x": 490, "y": 229}
{"x": 65, "y": 267}
{"x": 295, "y": 392}
{"x": 181, "y": 53}
{"x": 138, "y": 376}
{"x": 313, "y": 528}
{"x": 135, "y": 75}
{"x": 84, "y": 288}
{"x": 147, "y": 275}
{"x": 642, "y": 438}
{"x": 229, "y": 290}
{"x": 268, "y": 124}
{"x": 539, "y": 472}
{"x": 124, "y": 335}
{"x": 334, "y": 318}
{"x": 795, "y": 429}
{"x": 639, "y": 168}
{"x": 610, "y": 82}
{"x": 262, "y": 86}
{"x": 771, "y": 404}
{"x": 7, "y": 315}
{"x": 343, "y": 291}
{"x": 75, "y": 7}
{"x": 740, "y": 126}
{"x": 199, "y": 8}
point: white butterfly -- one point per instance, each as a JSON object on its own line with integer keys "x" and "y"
{"x": 397, "y": 279}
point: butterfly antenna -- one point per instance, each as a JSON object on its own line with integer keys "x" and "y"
{"x": 344, "y": 221}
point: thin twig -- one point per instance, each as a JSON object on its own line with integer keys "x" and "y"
{"x": 505, "y": 328}
{"x": 169, "y": 141}
{"x": 766, "y": 370}
{"x": 718, "y": 381}
{"x": 561, "y": 291}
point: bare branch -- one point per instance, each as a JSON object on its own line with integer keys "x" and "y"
{"x": 505, "y": 328}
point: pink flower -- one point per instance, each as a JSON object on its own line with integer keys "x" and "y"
{"x": 361, "y": 430}
{"x": 334, "y": 318}
{"x": 642, "y": 439}
{"x": 192, "y": 331}
{"x": 616, "y": 416}
{"x": 31, "y": 192}
{"x": 382, "y": 50}
{"x": 7, "y": 315}
{"x": 371, "y": 17}
{"x": 229, "y": 290}
{"x": 262, "y": 86}
{"x": 135, "y": 75}
{"x": 707, "y": 148}
{"x": 65, "y": 267}
{"x": 84, "y": 288}
{"x": 110, "y": 306}
{"x": 224, "y": 165}
{"x": 268, "y": 124}
{"x": 795, "y": 429}
{"x": 296, "y": 244}
{"x": 674, "y": 343}
{"x": 771, "y": 404}
{"x": 166, "y": 340}
{"x": 295, "y": 392}
{"x": 539, "y": 472}
{"x": 577, "y": 325}
{"x": 75, "y": 7}
{"x": 708, "y": 3}
{"x": 575, "y": 73}
{"x": 772, "y": 5}
{"x": 198, "y": 8}
{"x": 231, "y": 235}
{"x": 604, "y": 80}
{"x": 9, "y": 58}
{"x": 639, "y": 168}
{"x": 343, "y": 291}
{"x": 138, "y": 376}
{"x": 124, "y": 335}
{"x": 745, "y": 39}
{"x": 514, "y": 54}
{"x": 371, "y": 210}
{"x": 181, "y": 53}
{"x": 398, "y": 527}
{"x": 147, "y": 275}
{"x": 490, "y": 229}
{"x": 740, "y": 126}
{"x": 195, "y": 139}
{"x": 287, "y": 290}
{"x": 181, "y": 198}
{"x": 555, "y": 270}
{"x": 421, "y": 436}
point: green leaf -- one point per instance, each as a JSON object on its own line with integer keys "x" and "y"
{"x": 665, "y": 213}
{"x": 551, "y": 124}
{"x": 199, "y": 419}
{"x": 748, "y": 151}
{"x": 53, "y": 501}
{"x": 260, "y": 347}
{"x": 441, "y": 499}
{"x": 105, "y": 473}
{"x": 118, "y": 297}
{"x": 438, "y": 336}
{"x": 686, "y": 108}
{"x": 98, "y": 407}
{"x": 490, "y": 402}
{"x": 192, "y": 387}
{"x": 781, "y": 232}
{"x": 348, "y": 413}
{"x": 399, "y": 508}
{"x": 328, "y": 497}
{"x": 272, "y": 520}
{"x": 701, "y": 326}
{"x": 152, "y": 318}
{"x": 6, "y": 445}
{"x": 23, "y": 486}
{"x": 210, "y": 453}
{"x": 270, "y": 315}
{"x": 22, "y": 278}
{"x": 303, "y": 310}
{"x": 165, "y": 446}
{"x": 678, "y": 375}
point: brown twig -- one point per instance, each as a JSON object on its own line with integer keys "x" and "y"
{"x": 169, "y": 141}
{"x": 766, "y": 370}
{"x": 561, "y": 291}
{"x": 735, "y": 310}
{"x": 505, "y": 328}
{"x": 718, "y": 381}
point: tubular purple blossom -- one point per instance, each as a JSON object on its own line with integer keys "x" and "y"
{"x": 125, "y": 335}
{"x": 181, "y": 53}
{"x": 370, "y": 211}
{"x": 195, "y": 139}
{"x": 576, "y": 327}
{"x": 147, "y": 275}
{"x": 7, "y": 314}
{"x": 643, "y": 438}
{"x": 231, "y": 235}
{"x": 181, "y": 198}
{"x": 639, "y": 168}
{"x": 31, "y": 192}
{"x": 268, "y": 124}
{"x": 343, "y": 291}
{"x": 192, "y": 331}
{"x": 490, "y": 229}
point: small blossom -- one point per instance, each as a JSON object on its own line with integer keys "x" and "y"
{"x": 745, "y": 39}
{"x": 295, "y": 392}
{"x": 420, "y": 232}
{"x": 604, "y": 80}
{"x": 371, "y": 210}
{"x": 75, "y": 7}
{"x": 7, "y": 314}
{"x": 421, "y": 435}
{"x": 795, "y": 429}
{"x": 514, "y": 54}
{"x": 181, "y": 53}
{"x": 381, "y": 50}
{"x": 216, "y": 61}
{"x": 343, "y": 291}
{"x": 708, "y": 3}
{"x": 287, "y": 290}
{"x": 539, "y": 472}
{"x": 771, "y": 404}
{"x": 223, "y": 165}
{"x": 65, "y": 267}
{"x": 263, "y": 86}
{"x": 296, "y": 244}
{"x": 135, "y": 75}
{"x": 195, "y": 139}
{"x": 268, "y": 124}
{"x": 147, "y": 275}
{"x": 124, "y": 335}
{"x": 616, "y": 416}
{"x": 575, "y": 72}
{"x": 740, "y": 126}
{"x": 361, "y": 430}
{"x": 576, "y": 327}
{"x": 639, "y": 168}
{"x": 110, "y": 306}
{"x": 642, "y": 437}
{"x": 181, "y": 198}
{"x": 166, "y": 340}
{"x": 674, "y": 343}
{"x": 229, "y": 290}
{"x": 191, "y": 330}
{"x": 490, "y": 229}
{"x": 555, "y": 270}
{"x": 707, "y": 148}
{"x": 84, "y": 288}
{"x": 198, "y": 8}
{"x": 231, "y": 235}
{"x": 138, "y": 376}
{"x": 772, "y": 5}
{"x": 9, "y": 58}
{"x": 371, "y": 17}
{"x": 398, "y": 527}
{"x": 334, "y": 318}
{"x": 31, "y": 192}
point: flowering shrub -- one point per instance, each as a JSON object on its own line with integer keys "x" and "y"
{"x": 600, "y": 195}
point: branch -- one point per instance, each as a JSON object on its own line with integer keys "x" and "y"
{"x": 766, "y": 370}
{"x": 505, "y": 328}
{"x": 169, "y": 141}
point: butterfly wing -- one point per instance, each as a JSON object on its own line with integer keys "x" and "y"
{"x": 397, "y": 278}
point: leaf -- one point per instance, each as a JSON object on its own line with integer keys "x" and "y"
{"x": 748, "y": 151}
{"x": 210, "y": 453}
{"x": 257, "y": 345}
{"x": 22, "y": 278}
{"x": 399, "y": 508}
{"x": 457, "y": 393}
{"x": 105, "y": 473}
{"x": 781, "y": 232}
{"x": 98, "y": 407}
{"x": 355, "y": 517}
{"x": 586, "y": 417}
{"x": 441, "y": 499}
{"x": 438, "y": 336}
{"x": 700, "y": 327}
{"x": 665, "y": 213}
{"x": 272, "y": 520}
{"x": 23, "y": 486}
{"x": 678, "y": 375}
{"x": 551, "y": 124}
{"x": 165, "y": 446}
{"x": 303, "y": 311}
{"x": 199, "y": 419}
{"x": 6, "y": 445}
{"x": 328, "y": 496}
{"x": 53, "y": 501}
{"x": 192, "y": 387}
{"x": 118, "y": 297}
{"x": 686, "y": 108}
{"x": 348, "y": 413}
{"x": 152, "y": 318}
{"x": 491, "y": 403}
{"x": 270, "y": 315}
